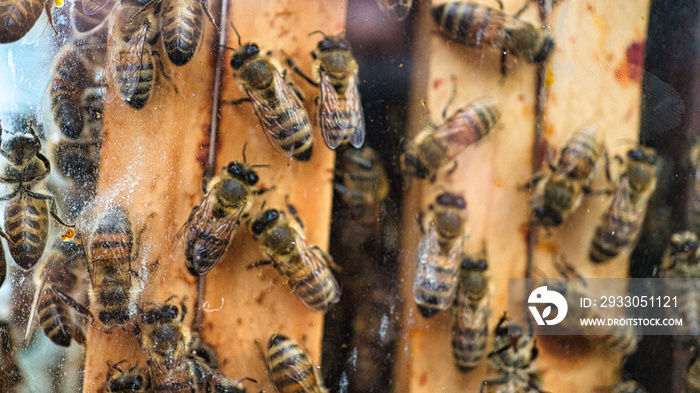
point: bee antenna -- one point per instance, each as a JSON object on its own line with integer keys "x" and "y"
{"x": 236, "y": 30}
{"x": 243, "y": 153}
{"x": 317, "y": 32}
{"x": 453, "y": 78}
{"x": 260, "y": 166}
{"x": 227, "y": 47}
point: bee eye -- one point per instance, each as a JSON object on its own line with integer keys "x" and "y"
{"x": 234, "y": 168}
{"x": 252, "y": 49}
{"x": 635, "y": 154}
{"x": 344, "y": 45}
{"x": 251, "y": 178}
{"x": 325, "y": 44}
{"x": 483, "y": 265}
{"x": 236, "y": 61}
{"x": 272, "y": 215}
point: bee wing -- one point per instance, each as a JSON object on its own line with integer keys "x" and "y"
{"x": 270, "y": 118}
{"x": 331, "y": 114}
{"x": 128, "y": 58}
{"x": 428, "y": 252}
{"x": 354, "y": 106}
{"x": 466, "y": 127}
{"x": 91, "y": 7}
{"x": 308, "y": 256}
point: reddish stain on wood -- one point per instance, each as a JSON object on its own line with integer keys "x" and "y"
{"x": 423, "y": 379}
{"x": 631, "y": 68}
{"x": 437, "y": 83}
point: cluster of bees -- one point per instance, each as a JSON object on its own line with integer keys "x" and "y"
{"x": 117, "y": 43}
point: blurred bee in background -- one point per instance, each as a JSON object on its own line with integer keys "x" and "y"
{"x": 211, "y": 225}
{"x": 305, "y": 268}
{"x": 692, "y": 382}
{"x": 10, "y": 371}
{"x": 181, "y": 27}
{"x": 435, "y": 146}
{"x": 290, "y": 367}
{"x": 694, "y": 204}
{"x": 17, "y": 17}
{"x": 59, "y": 278}
{"x": 205, "y": 362}
{"x": 87, "y": 15}
{"x": 134, "y": 28}
{"x": 628, "y": 387}
{"x": 513, "y": 359}
{"x": 439, "y": 252}
{"x": 132, "y": 380}
{"x": 471, "y": 312}
{"x": 559, "y": 192}
{"x": 682, "y": 262}
{"x": 165, "y": 339}
{"x": 398, "y": 9}
{"x": 623, "y": 220}
{"x": 479, "y": 26}
{"x": 76, "y": 93}
{"x": 27, "y": 209}
{"x": 277, "y": 104}
{"x": 335, "y": 72}
{"x": 110, "y": 254}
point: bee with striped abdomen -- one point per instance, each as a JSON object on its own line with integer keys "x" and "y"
{"x": 181, "y": 28}
{"x": 76, "y": 94}
{"x": 211, "y": 225}
{"x": 305, "y": 268}
{"x": 439, "y": 251}
{"x": 435, "y": 146}
{"x": 132, "y": 380}
{"x": 277, "y": 103}
{"x": 622, "y": 222}
{"x": 479, "y": 26}
{"x": 134, "y": 29}
{"x": 471, "y": 312}
{"x": 17, "y": 17}
{"x": 61, "y": 274}
{"x": 27, "y": 209}
{"x": 398, "y": 9}
{"x": 513, "y": 359}
{"x": 559, "y": 192}
{"x": 290, "y": 367}
{"x": 335, "y": 72}
{"x": 165, "y": 338}
{"x": 110, "y": 251}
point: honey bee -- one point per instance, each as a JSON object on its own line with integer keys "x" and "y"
{"x": 56, "y": 281}
{"x": 17, "y": 17}
{"x": 27, "y": 209}
{"x": 165, "y": 339}
{"x": 87, "y": 15}
{"x": 623, "y": 220}
{"x": 682, "y": 263}
{"x": 335, "y": 72}
{"x": 305, "y": 268}
{"x": 513, "y": 359}
{"x": 10, "y": 371}
{"x": 290, "y": 367}
{"x": 471, "y": 312}
{"x": 211, "y": 225}
{"x": 398, "y": 9}
{"x": 110, "y": 254}
{"x": 693, "y": 377}
{"x": 277, "y": 103}
{"x": 439, "y": 252}
{"x": 205, "y": 362}
{"x": 134, "y": 29}
{"x": 560, "y": 192}
{"x": 479, "y": 26}
{"x": 181, "y": 27}
{"x": 76, "y": 93}
{"x": 435, "y": 146}
{"x": 133, "y": 380}
{"x": 694, "y": 193}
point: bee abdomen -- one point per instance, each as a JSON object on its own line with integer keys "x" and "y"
{"x": 138, "y": 95}
{"x": 26, "y": 223}
{"x": 293, "y": 131}
{"x": 319, "y": 290}
{"x": 55, "y": 318}
{"x": 181, "y": 29}
{"x": 289, "y": 366}
{"x": 433, "y": 288}
{"x": 471, "y": 24}
{"x": 608, "y": 242}
{"x": 17, "y": 17}
{"x": 468, "y": 347}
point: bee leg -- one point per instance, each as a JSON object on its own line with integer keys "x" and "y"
{"x": 52, "y": 210}
{"x": 521, "y": 10}
{"x": 532, "y": 182}
{"x": 203, "y": 4}
{"x": 9, "y": 241}
{"x": 73, "y": 303}
{"x": 327, "y": 258}
{"x": 299, "y": 72}
{"x": 504, "y": 55}
{"x": 454, "y": 168}
{"x": 47, "y": 7}
{"x": 8, "y": 196}
{"x": 162, "y": 70}
{"x": 499, "y": 381}
{"x": 236, "y": 102}
{"x": 341, "y": 189}
{"x": 261, "y": 191}
{"x": 259, "y": 263}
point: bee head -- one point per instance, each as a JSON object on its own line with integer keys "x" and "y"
{"x": 276, "y": 340}
{"x": 545, "y": 49}
{"x": 639, "y": 173}
{"x": 451, "y": 200}
{"x": 414, "y": 167}
{"x": 263, "y": 220}
{"x": 125, "y": 383}
{"x": 331, "y": 43}
{"x": 246, "y": 52}
{"x": 243, "y": 172}
{"x": 20, "y": 147}
{"x": 546, "y": 217}
{"x": 684, "y": 241}
{"x": 162, "y": 313}
{"x": 480, "y": 264}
